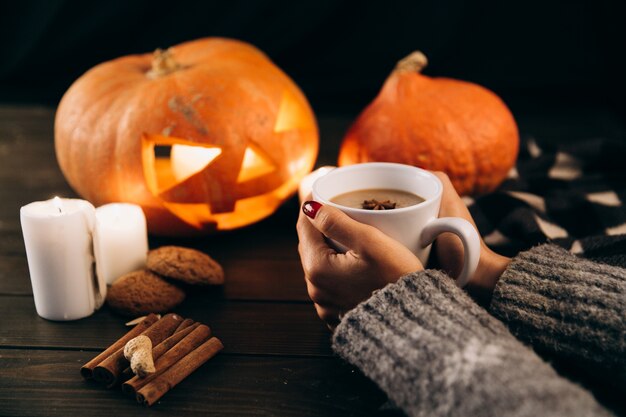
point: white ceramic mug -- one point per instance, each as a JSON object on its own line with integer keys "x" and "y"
{"x": 417, "y": 226}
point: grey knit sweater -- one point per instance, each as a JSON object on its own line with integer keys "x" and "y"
{"x": 437, "y": 353}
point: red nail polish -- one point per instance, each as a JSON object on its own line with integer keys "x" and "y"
{"x": 310, "y": 208}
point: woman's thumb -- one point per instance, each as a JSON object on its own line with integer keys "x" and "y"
{"x": 336, "y": 225}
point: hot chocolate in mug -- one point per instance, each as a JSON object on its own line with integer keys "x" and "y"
{"x": 415, "y": 226}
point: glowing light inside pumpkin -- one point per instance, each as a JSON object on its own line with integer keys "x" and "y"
{"x": 293, "y": 114}
{"x": 267, "y": 174}
{"x": 187, "y": 160}
{"x": 254, "y": 165}
{"x": 299, "y": 165}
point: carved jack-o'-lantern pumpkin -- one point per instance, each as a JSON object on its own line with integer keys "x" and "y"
{"x": 209, "y": 135}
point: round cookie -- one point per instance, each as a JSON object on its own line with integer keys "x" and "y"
{"x": 142, "y": 292}
{"x": 187, "y": 265}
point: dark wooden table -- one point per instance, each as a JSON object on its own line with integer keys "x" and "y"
{"x": 277, "y": 358}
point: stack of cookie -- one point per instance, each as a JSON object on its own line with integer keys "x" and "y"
{"x": 161, "y": 286}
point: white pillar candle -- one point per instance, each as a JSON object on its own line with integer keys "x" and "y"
{"x": 57, "y": 236}
{"x": 120, "y": 240}
{"x": 307, "y": 182}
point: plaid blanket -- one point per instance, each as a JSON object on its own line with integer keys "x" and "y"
{"x": 570, "y": 194}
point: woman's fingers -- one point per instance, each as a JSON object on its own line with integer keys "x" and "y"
{"x": 312, "y": 244}
{"x": 336, "y": 282}
{"x": 330, "y": 314}
{"x": 338, "y": 226}
{"x": 322, "y": 265}
{"x": 319, "y": 295}
{"x": 451, "y": 203}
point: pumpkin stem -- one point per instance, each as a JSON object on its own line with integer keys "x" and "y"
{"x": 414, "y": 62}
{"x": 163, "y": 63}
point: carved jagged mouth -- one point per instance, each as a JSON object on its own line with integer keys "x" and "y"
{"x": 196, "y": 181}
{"x": 169, "y": 162}
{"x": 237, "y": 182}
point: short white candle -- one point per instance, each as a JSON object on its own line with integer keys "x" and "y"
{"x": 120, "y": 240}
{"x": 57, "y": 236}
{"x": 306, "y": 184}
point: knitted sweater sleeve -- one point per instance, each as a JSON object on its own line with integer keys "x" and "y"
{"x": 437, "y": 353}
{"x": 563, "y": 304}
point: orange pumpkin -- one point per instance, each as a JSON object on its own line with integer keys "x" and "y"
{"x": 438, "y": 124}
{"x": 209, "y": 135}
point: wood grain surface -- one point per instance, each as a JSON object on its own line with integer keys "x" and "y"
{"x": 277, "y": 359}
{"x": 47, "y": 383}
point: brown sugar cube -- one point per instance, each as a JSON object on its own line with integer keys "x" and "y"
{"x": 187, "y": 265}
{"x": 143, "y": 292}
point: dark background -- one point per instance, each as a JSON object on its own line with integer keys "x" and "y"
{"x": 541, "y": 57}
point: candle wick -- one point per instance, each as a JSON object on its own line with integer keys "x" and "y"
{"x": 58, "y": 204}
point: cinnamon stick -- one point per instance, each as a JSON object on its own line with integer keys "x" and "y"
{"x": 154, "y": 390}
{"x": 184, "y": 324}
{"x": 165, "y": 345}
{"x": 109, "y": 370}
{"x": 190, "y": 342}
{"x": 171, "y": 341}
{"x": 87, "y": 369}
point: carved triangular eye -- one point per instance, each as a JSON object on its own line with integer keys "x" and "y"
{"x": 293, "y": 113}
{"x": 168, "y": 160}
{"x": 188, "y": 160}
{"x": 255, "y": 164}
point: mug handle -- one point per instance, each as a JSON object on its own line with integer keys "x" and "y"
{"x": 469, "y": 237}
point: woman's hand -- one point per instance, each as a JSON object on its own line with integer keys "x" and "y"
{"x": 449, "y": 250}
{"x": 337, "y": 282}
